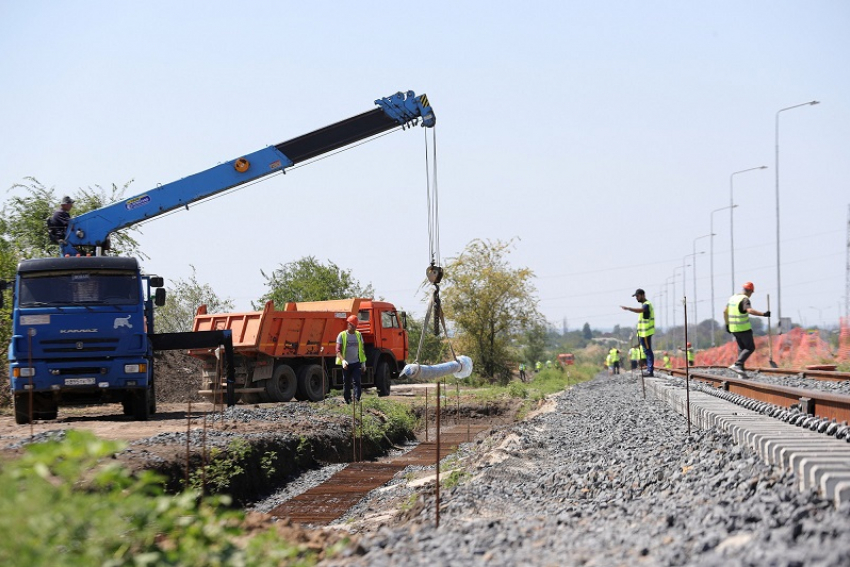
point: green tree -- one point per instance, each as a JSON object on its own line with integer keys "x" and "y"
{"x": 586, "y": 332}
{"x": 308, "y": 279}
{"x": 182, "y": 302}
{"x": 491, "y": 303}
{"x": 534, "y": 340}
{"x": 24, "y": 217}
{"x": 434, "y": 348}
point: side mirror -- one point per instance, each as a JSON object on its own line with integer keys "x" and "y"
{"x": 157, "y": 281}
{"x": 403, "y": 316}
{"x": 159, "y": 297}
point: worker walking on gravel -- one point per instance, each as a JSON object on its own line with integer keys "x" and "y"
{"x": 522, "y": 375}
{"x": 689, "y": 354}
{"x": 634, "y": 357}
{"x": 351, "y": 356}
{"x": 645, "y": 327}
{"x": 615, "y": 360}
{"x": 737, "y": 316}
{"x": 666, "y": 361}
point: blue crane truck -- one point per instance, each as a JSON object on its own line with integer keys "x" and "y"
{"x": 83, "y": 323}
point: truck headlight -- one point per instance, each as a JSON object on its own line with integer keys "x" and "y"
{"x": 135, "y": 368}
{"x": 23, "y": 372}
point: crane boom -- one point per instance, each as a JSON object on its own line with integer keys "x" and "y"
{"x": 92, "y": 229}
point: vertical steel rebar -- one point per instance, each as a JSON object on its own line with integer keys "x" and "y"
{"x": 687, "y": 368}
{"x": 457, "y": 416}
{"x": 188, "y": 434}
{"x": 354, "y": 432}
{"x": 437, "y": 513}
{"x": 361, "y": 429}
{"x": 426, "y": 415}
{"x": 204, "y": 456}
{"x": 30, "y": 333}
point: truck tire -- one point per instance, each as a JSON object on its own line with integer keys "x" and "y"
{"x": 282, "y": 385}
{"x": 311, "y": 383}
{"x": 382, "y": 378}
{"x": 22, "y": 409}
{"x": 141, "y": 405}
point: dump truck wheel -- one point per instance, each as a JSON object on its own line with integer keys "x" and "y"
{"x": 311, "y": 383}
{"x": 282, "y": 385}
{"x": 22, "y": 409}
{"x": 142, "y": 405}
{"x": 382, "y": 378}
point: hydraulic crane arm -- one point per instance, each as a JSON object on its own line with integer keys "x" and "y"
{"x": 93, "y": 228}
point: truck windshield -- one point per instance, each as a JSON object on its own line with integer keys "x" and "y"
{"x": 78, "y": 288}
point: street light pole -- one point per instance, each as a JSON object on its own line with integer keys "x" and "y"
{"x": 696, "y": 318}
{"x": 778, "y": 261}
{"x": 731, "y": 208}
{"x": 713, "y": 322}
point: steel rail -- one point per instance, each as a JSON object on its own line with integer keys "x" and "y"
{"x": 821, "y": 404}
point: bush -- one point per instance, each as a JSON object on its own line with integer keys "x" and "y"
{"x": 68, "y": 505}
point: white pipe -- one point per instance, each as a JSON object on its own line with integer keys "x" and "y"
{"x": 461, "y": 368}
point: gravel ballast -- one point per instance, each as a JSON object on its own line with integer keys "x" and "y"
{"x": 609, "y": 478}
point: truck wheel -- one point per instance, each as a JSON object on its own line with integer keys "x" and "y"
{"x": 282, "y": 385}
{"x": 22, "y": 409}
{"x": 311, "y": 383}
{"x": 382, "y": 378}
{"x": 142, "y": 405}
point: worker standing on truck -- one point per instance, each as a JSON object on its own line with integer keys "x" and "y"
{"x": 645, "y": 327}
{"x": 351, "y": 356}
{"x": 57, "y": 224}
{"x": 737, "y": 316}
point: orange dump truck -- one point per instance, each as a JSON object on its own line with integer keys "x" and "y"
{"x": 292, "y": 353}
{"x": 566, "y": 359}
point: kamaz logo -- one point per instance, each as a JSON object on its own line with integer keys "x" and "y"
{"x": 63, "y": 331}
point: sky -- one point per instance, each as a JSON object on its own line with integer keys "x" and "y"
{"x": 597, "y": 137}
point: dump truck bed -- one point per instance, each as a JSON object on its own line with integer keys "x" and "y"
{"x": 301, "y": 329}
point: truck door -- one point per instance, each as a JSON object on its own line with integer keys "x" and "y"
{"x": 392, "y": 334}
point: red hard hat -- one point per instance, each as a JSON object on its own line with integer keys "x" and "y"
{"x": 352, "y": 319}
{"x": 689, "y": 344}
{"x": 749, "y": 286}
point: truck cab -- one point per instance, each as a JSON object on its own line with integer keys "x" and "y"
{"x": 384, "y": 334}
{"x": 80, "y": 330}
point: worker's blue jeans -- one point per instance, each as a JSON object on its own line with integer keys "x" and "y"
{"x": 351, "y": 376}
{"x": 646, "y": 343}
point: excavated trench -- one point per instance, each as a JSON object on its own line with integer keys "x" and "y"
{"x": 250, "y": 465}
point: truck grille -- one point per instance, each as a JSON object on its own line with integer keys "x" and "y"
{"x": 86, "y": 345}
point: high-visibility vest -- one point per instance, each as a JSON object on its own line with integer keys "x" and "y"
{"x": 615, "y": 356}
{"x": 608, "y": 360}
{"x": 738, "y": 322}
{"x": 361, "y": 353}
{"x": 646, "y": 327}
{"x": 521, "y": 366}
{"x": 634, "y": 354}
{"x": 667, "y": 361}
{"x": 538, "y": 365}
{"x": 690, "y": 353}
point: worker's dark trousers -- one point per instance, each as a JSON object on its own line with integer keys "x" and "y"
{"x": 646, "y": 343}
{"x": 351, "y": 375}
{"x": 746, "y": 346}
{"x": 617, "y": 367}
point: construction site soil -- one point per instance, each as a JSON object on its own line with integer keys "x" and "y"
{"x": 192, "y": 442}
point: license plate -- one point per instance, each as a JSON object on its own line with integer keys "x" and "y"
{"x": 79, "y": 381}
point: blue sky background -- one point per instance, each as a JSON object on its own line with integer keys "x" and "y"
{"x": 599, "y": 135}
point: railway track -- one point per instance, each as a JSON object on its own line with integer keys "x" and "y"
{"x": 322, "y": 504}
{"x": 801, "y": 430}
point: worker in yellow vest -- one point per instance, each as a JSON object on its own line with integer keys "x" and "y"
{"x": 352, "y": 357}
{"x": 615, "y": 360}
{"x": 645, "y": 326}
{"x": 689, "y": 354}
{"x": 668, "y": 364}
{"x": 634, "y": 357}
{"x": 522, "y": 375}
{"x": 737, "y": 317}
